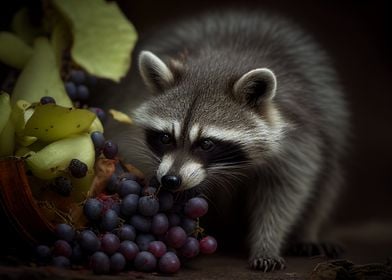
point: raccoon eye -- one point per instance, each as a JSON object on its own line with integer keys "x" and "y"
{"x": 207, "y": 144}
{"x": 166, "y": 138}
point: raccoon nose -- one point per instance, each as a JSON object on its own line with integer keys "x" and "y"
{"x": 171, "y": 182}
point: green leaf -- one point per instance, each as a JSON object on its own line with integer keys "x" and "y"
{"x": 13, "y": 51}
{"x": 103, "y": 39}
{"x": 41, "y": 77}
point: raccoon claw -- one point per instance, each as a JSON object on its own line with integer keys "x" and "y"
{"x": 266, "y": 264}
{"x": 309, "y": 249}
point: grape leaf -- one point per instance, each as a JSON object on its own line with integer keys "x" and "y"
{"x": 103, "y": 38}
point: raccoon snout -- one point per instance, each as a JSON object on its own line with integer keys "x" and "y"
{"x": 171, "y": 182}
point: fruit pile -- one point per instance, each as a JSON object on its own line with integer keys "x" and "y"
{"x": 131, "y": 227}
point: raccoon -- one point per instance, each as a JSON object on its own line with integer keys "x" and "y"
{"x": 242, "y": 102}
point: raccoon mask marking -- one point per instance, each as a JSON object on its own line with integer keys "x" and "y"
{"x": 196, "y": 147}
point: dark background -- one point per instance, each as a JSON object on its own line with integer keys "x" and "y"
{"x": 358, "y": 36}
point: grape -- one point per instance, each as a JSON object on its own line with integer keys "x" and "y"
{"x": 188, "y": 225}
{"x": 148, "y": 205}
{"x": 47, "y": 100}
{"x": 169, "y": 263}
{"x": 64, "y": 232}
{"x": 117, "y": 262}
{"x": 62, "y": 248}
{"x": 165, "y": 201}
{"x": 157, "y": 248}
{"x": 196, "y": 207}
{"x": 116, "y": 207}
{"x": 126, "y": 187}
{"x": 159, "y": 224}
{"x": 92, "y": 209}
{"x": 77, "y": 76}
{"x": 82, "y": 92}
{"x": 43, "y": 253}
{"x": 145, "y": 261}
{"x": 112, "y": 184}
{"x": 70, "y": 88}
{"x": 127, "y": 232}
{"x": 61, "y": 262}
{"x": 109, "y": 220}
{"x": 191, "y": 248}
{"x": 174, "y": 219}
{"x": 127, "y": 176}
{"x": 175, "y": 237}
{"x": 110, "y": 243}
{"x": 99, "y": 112}
{"x": 88, "y": 241}
{"x": 98, "y": 140}
{"x": 100, "y": 263}
{"x": 110, "y": 150}
{"x": 143, "y": 240}
{"x": 62, "y": 186}
{"x": 129, "y": 204}
{"x": 77, "y": 254}
{"x": 129, "y": 249}
{"x": 141, "y": 223}
{"x": 208, "y": 245}
{"x": 77, "y": 168}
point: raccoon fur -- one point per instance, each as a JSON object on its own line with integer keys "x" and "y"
{"x": 241, "y": 102}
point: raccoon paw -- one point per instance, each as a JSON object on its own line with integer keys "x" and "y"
{"x": 309, "y": 249}
{"x": 267, "y": 264}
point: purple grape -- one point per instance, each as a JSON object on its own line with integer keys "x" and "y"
{"x": 82, "y": 92}
{"x": 47, "y": 100}
{"x": 92, "y": 209}
{"x": 169, "y": 263}
{"x": 64, "y": 232}
{"x": 143, "y": 240}
{"x": 145, "y": 261}
{"x": 149, "y": 191}
{"x": 141, "y": 223}
{"x": 109, "y": 220}
{"x": 191, "y": 248}
{"x": 196, "y": 207}
{"x": 126, "y": 232}
{"x": 159, "y": 224}
{"x": 110, "y": 150}
{"x": 62, "y": 248}
{"x": 126, "y": 187}
{"x": 112, "y": 184}
{"x": 157, "y": 248}
{"x": 77, "y": 254}
{"x": 43, "y": 253}
{"x": 127, "y": 176}
{"x": 175, "y": 237}
{"x": 116, "y": 207}
{"x": 174, "y": 219}
{"x": 166, "y": 200}
{"x": 129, "y": 204}
{"x": 61, "y": 262}
{"x": 89, "y": 242}
{"x": 70, "y": 88}
{"x": 128, "y": 249}
{"x": 77, "y": 76}
{"x": 189, "y": 225}
{"x": 100, "y": 263}
{"x": 148, "y": 206}
{"x": 62, "y": 186}
{"x": 208, "y": 245}
{"x": 110, "y": 243}
{"x": 117, "y": 262}
{"x": 99, "y": 112}
{"x": 77, "y": 168}
{"x": 98, "y": 140}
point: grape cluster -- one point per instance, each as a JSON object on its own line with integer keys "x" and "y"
{"x": 78, "y": 84}
{"x": 131, "y": 226}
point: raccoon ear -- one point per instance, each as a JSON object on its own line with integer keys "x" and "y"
{"x": 155, "y": 73}
{"x": 256, "y": 86}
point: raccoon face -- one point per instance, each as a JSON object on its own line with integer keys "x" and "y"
{"x": 203, "y": 136}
